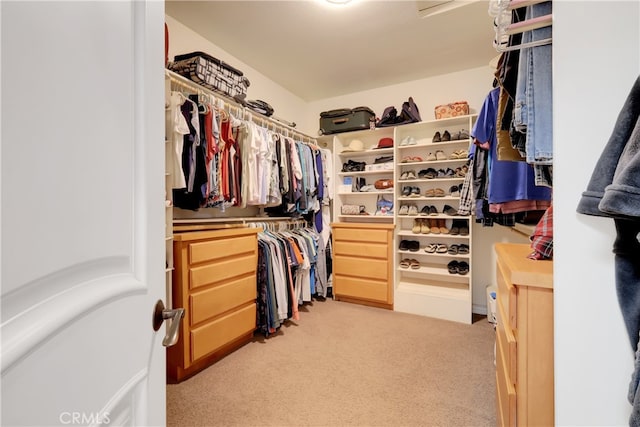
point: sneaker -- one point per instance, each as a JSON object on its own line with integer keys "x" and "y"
{"x": 404, "y": 210}
{"x": 449, "y": 210}
{"x": 413, "y": 210}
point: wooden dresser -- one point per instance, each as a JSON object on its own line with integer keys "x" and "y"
{"x": 363, "y": 263}
{"x": 215, "y": 282}
{"x": 524, "y": 338}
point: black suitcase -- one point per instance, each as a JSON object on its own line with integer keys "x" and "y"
{"x": 211, "y": 73}
{"x": 346, "y": 120}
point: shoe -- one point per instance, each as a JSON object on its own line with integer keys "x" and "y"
{"x": 453, "y": 267}
{"x": 446, "y": 136}
{"x": 448, "y": 173}
{"x": 433, "y": 211}
{"x": 431, "y": 248}
{"x": 424, "y": 211}
{"x": 463, "y": 249}
{"x": 413, "y": 210}
{"x": 404, "y": 210}
{"x": 463, "y": 267}
{"x": 405, "y": 263}
{"x": 448, "y": 210}
{"x": 416, "y": 226}
{"x": 440, "y": 155}
{"x": 464, "y": 229}
{"x": 408, "y": 140}
{"x": 454, "y": 191}
{"x": 436, "y": 137}
{"x": 433, "y": 223}
{"x": 406, "y": 191}
{"x": 454, "y": 230}
{"x": 441, "y": 248}
{"x": 439, "y": 192}
{"x": 411, "y": 174}
{"x": 404, "y": 245}
{"x": 414, "y": 264}
{"x": 414, "y": 246}
{"x": 442, "y": 225}
{"x": 431, "y": 192}
{"x": 415, "y": 192}
{"x": 431, "y": 157}
{"x": 424, "y": 227}
{"x": 453, "y": 250}
{"x": 404, "y": 175}
{"x": 430, "y": 173}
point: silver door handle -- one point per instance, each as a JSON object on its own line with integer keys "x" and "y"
{"x": 160, "y": 314}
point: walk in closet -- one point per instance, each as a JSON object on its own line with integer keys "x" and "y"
{"x": 375, "y": 261}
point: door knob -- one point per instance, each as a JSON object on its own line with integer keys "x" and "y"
{"x": 160, "y": 314}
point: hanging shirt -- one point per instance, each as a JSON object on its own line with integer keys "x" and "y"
{"x": 507, "y": 180}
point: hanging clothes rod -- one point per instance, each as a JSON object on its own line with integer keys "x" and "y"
{"x": 529, "y": 24}
{"x": 241, "y": 111}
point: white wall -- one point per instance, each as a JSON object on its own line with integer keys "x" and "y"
{"x": 469, "y": 85}
{"x": 596, "y": 47}
{"x": 286, "y": 105}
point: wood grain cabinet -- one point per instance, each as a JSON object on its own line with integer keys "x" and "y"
{"x": 215, "y": 282}
{"x": 524, "y": 338}
{"x": 362, "y": 263}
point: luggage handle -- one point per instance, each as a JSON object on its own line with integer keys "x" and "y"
{"x": 340, "y": 121}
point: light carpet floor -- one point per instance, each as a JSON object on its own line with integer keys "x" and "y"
{"x": 345, "y": 364}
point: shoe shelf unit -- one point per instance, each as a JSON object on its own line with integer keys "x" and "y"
{"x": 355, "y": 155}
{"x": 433, "y": 274}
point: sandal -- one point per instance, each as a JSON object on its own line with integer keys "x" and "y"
{"x": 414, "y": 264}
{"x": 431, "y": 157}
{"x": 430, "y": 192}
{"x": 441, "y": 248}
{"x": 440, "y": 155}
{"x": 453, "y": 250}
{"x": 463, "y": 249}
{"x": 439, "y": 192}
{"x": 431, "y": 248}
{"x": 405, "y": 263}
{"x": 411, "y": 174}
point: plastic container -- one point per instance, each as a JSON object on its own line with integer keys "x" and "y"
{"x": 491, "y": 304}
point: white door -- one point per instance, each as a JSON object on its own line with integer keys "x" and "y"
{"x": 82, "y": 220}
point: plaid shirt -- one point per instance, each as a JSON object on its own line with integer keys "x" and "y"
{"x": 542, "y": 238}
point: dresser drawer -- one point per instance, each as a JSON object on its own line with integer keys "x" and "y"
{"x": 360, "y": 235}
{"x": 215, "y": 301}
{"x": 371, "y": 250}
{"x": 507, "y": 294}
{"x": 222, "y": 270}
{"x": 506, "y": 392}
{"x": 360, "y": 288}
{"x": 507, "y": 342}
{"x": 212, "y": 336}
{"x": 361, "y": 267}
{"x": 220, "y": 248}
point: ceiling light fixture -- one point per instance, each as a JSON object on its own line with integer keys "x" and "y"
{"x": 338, "y": 1}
